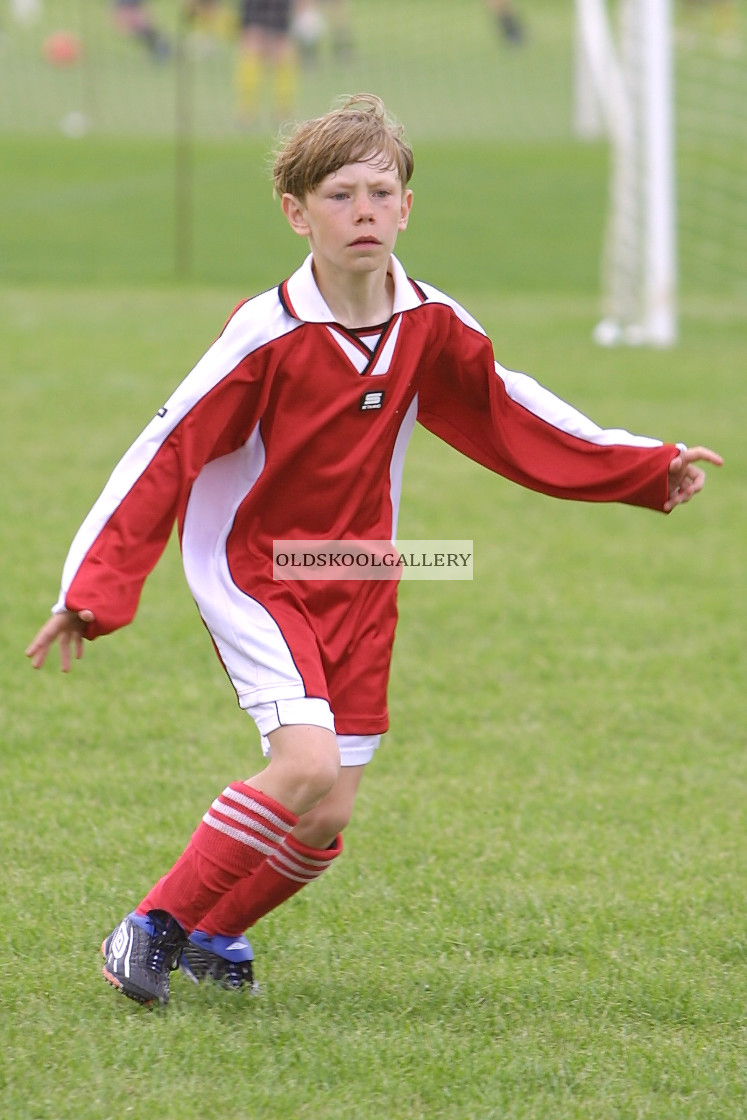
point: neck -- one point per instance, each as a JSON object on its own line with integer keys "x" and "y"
{"x": 359, "y": 300}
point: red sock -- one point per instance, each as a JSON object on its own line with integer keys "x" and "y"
{"x": 239, "y": 831}
{"x": 291, "y": 866}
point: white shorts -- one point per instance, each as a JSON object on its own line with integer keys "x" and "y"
{"x": 355, "y": 750}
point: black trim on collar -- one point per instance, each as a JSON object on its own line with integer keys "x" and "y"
{"x": 381, "y": 341}
{"x": 385, "y": 330}
{"x": 285, "y": 301}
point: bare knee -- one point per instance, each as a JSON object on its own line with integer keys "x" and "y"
{"x": 304, "y": 765}
{"x": 319, "y": 827}
{"x": 331, "y": 815}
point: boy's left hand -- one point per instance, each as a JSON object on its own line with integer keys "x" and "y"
{"x": 685, "y": 479}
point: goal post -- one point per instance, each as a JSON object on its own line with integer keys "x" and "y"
{"x": 624, "y": 88}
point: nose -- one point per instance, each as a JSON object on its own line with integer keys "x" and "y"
{"x": 364, "y": 209}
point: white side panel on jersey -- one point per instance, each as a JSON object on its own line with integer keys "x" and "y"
{"x": 248, "y": 639}
{"x": 397, "y": 464}
{"x": 255, "y": 323}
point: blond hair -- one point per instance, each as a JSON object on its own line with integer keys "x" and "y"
{"x": 359, "y": 131}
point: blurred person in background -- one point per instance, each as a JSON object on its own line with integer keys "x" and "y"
{"x": 311, "y": 21}
{"x": 719, "y": 18}
{"x": 509, "y": 24}
{"x": 265, "y": 44}
{"x": 211, "y": 19}
{"x": 135, "y": 19}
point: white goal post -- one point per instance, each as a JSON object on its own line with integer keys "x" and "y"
{"x": 624, "y": 90}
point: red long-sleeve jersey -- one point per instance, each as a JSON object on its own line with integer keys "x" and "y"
{"x": 291, "y": 427}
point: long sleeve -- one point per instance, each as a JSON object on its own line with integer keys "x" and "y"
{"x": 119, "y": 543}
{"x": 509, "y": 423}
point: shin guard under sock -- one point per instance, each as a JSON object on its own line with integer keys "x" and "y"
{"x": 290, "y": 867}
{"x": 240, "y": 830}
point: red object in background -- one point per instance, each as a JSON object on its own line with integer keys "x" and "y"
{"x": 62, "y": 48}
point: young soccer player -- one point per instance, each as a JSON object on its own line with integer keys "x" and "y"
{"x": 134, "y": 18}
{"x": 265, "y": 43}
{"x": 294, "y": 426}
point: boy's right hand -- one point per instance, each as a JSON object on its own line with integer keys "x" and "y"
{"x": 66, "y": 628}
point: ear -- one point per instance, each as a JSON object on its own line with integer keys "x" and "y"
{"x": 404, "y": 214}
{"x": 296, "y": 215}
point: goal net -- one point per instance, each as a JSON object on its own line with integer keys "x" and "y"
{"x": 711, "y": 109}
{"x": 668, "y": 85}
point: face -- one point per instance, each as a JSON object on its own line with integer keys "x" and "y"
{"x": 353, "y": 217}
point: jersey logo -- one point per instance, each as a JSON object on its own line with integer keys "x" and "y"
{"x": 372, "y": 400}
{"x": 162, "y": 411}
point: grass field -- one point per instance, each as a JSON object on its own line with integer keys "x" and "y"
{"x": 443, "y": 66}
{"x": 541, "y": 912}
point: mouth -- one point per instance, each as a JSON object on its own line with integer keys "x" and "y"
{"x": 365, "y": 242}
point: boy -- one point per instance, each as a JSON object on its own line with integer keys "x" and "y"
{"x": 272, "y": 437}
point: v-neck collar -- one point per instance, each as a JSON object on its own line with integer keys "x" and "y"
{"x": 373, "y": 361}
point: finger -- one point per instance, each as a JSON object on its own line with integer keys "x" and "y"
{"x": 38, "y": 647}
{"x": 692, "y": 483}
{"x": 705, "y": 454}
{"x": 696, "y": 478}
{"x": 37, "y": 651}
{"x": 65, "y": 653}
